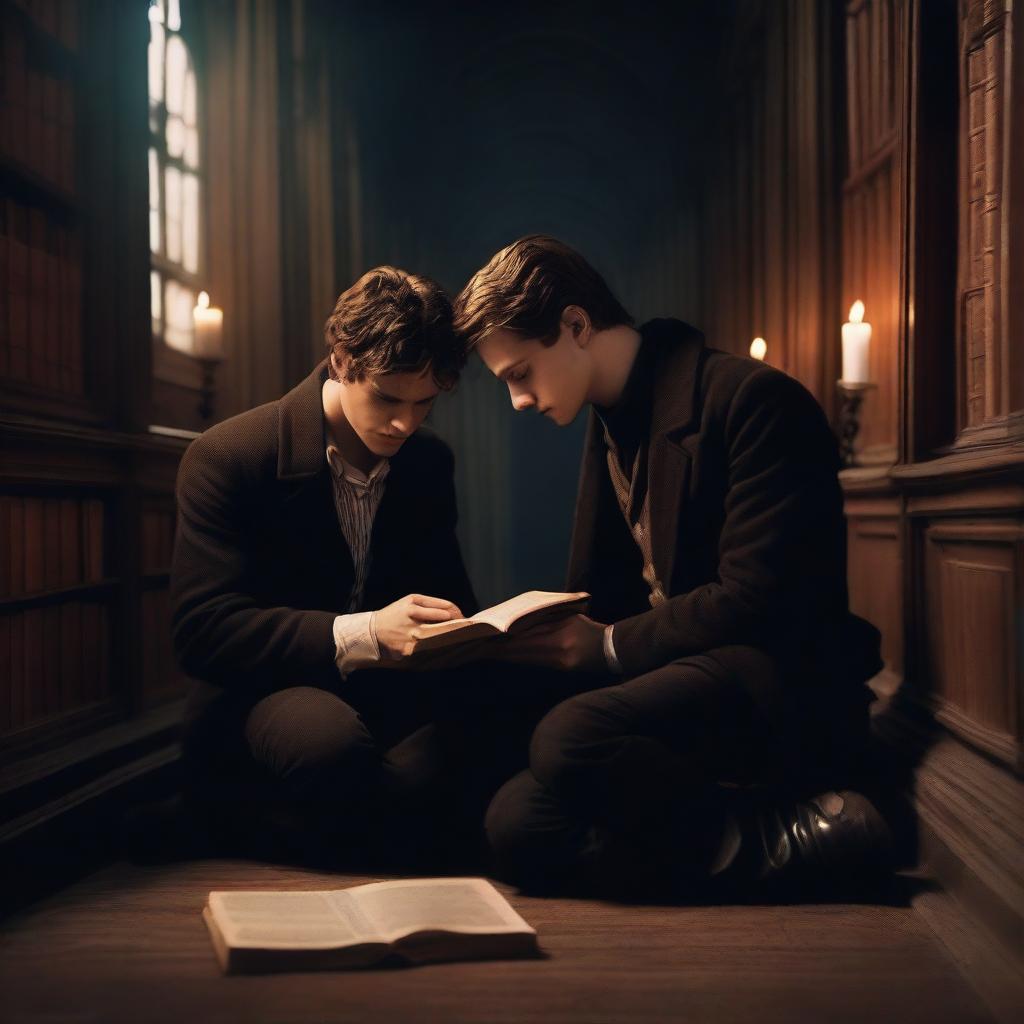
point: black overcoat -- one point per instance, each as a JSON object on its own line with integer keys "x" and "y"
{"x": 261, "y": 567}
{"x": 747, "y": 529}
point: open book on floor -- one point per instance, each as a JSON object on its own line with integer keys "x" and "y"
{"x": 412, "y": 920}
{"x": 510, "y": 616}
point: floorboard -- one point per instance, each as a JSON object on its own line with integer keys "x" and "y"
{"x": 128, "y": 944}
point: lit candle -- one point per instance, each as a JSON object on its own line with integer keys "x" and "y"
{"x": 856, "y": 341}
{"x": 208, "y": 322}
{"x": 758, "y": 348}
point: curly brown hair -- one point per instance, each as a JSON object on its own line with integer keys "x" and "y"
{"x": 391, "y": 321}
{"x": 526, "y": 287}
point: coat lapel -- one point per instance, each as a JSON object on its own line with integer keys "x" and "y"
{"x": 302, "y": 462}
{"x": 584, "y": 528}
{"x": 673, "y": 416}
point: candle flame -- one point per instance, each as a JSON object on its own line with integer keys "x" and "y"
{"x": 203, "y": 302}
{"x": 758, "y": 348}
{"x": 857, "y": 312}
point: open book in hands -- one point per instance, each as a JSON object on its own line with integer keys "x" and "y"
{"x": 513, "y": 615}
{"x": 415, "y": 920}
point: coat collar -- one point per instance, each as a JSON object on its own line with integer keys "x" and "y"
{"x": 678, "y": 348}
{"x": 301, "y": 442}
{"x": 302, "y": 437}
{"x": 677, "y": 361}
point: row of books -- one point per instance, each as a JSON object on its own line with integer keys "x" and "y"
{"x": 50, "y": 543}
{"x": 157, "y": 540}
{"x": 41, "y": 319}
{"x": 57, "y": 18}
{"x": 37, "y": 115}
{"x": 53, "y": 660}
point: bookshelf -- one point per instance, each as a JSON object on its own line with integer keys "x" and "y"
{"x": 88, "y": 686}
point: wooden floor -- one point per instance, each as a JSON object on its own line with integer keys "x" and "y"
{"x": 128, "y": 944}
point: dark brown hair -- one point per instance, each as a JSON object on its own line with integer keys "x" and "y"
{"x": 391, "y": 321}
{"x": 525, "y": 288}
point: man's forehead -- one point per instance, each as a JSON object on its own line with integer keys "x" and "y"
{"x": 501, "y": 349}
{"x": 415, "y": 386}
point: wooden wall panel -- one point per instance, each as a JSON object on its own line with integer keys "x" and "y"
{"x": 972, "y": 591}
{"x": 876, "y": 573}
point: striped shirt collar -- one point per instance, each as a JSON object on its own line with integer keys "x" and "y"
{"x": 350, "y": 474}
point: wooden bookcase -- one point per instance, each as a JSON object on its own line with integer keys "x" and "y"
{"x": 89, "y": 692}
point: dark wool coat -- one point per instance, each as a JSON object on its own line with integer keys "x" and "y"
{"x": 747, "y": 529}
{"x": 261, "y": 567}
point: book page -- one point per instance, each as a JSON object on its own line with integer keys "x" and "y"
{"x": 501, "y": 616}
{"x": 438, "y": 904}
{"x": 290, "y": 920}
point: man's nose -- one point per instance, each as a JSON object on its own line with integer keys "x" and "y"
{"x": 521, "y": 401}
{"x": 402, "y": 423}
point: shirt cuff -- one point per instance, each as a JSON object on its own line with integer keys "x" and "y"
{"x": 355, "y": 642}
{"x": 610, "y": 656}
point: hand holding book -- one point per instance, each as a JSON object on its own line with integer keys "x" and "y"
{"x": 526, "y": 612}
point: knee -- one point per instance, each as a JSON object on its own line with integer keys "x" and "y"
{"x": 307, "y": 736}
{"x": 569, "y": 739}
{"x": 532, "y": 844}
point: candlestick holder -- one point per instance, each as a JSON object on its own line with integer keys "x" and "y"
{"x": 849, "y": 419}
{"x": 207, "y": 388}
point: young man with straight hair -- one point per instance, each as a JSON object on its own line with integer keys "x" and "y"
{"x": 727, "y": 707}
{"x": 315, "y": 534}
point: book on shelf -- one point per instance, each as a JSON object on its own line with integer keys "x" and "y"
{"x": 412, "y": 921}
{"x": 512, "y": 616}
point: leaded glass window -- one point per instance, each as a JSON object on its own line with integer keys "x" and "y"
{"x": 175, "y": 178}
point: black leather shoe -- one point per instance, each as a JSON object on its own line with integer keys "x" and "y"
{"x": 833, "y": 843}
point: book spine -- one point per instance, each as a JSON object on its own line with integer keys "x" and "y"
{"x": 94, "y": 560}
{"x": 35, "y": 572}
{"x": 70, "y": 542}
{"x": 51, "y": 544}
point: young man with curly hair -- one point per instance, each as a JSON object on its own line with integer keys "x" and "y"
{"x": 315, "y": 533}
{"x": 726, "y": 703}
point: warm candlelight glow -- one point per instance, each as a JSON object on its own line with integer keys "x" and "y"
{"x": 856, "y": 344}
{"x": 208, "y": 323}
{"x": 758, "y": 348}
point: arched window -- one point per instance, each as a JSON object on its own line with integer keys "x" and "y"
{"x": 175, "y": 178}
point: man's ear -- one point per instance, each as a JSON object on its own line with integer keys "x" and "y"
{"x": 337, "y": 367}
{"x": 577, "y": 323}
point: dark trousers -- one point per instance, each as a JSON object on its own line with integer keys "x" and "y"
{"x": 623, "y": 788}
{"x": 396, "y": 768}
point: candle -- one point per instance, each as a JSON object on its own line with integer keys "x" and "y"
{"x": 758, "y": 348}
{"x": 856, "y": 341}
{"x": 208, "y": 322}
